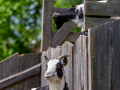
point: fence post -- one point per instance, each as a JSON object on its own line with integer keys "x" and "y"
{"x": 46, "y": 36}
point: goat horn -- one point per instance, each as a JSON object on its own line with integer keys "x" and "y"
{"x": 62, "y": 56}
{"x": 56, "y": 14}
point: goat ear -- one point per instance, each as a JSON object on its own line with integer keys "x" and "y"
{"x": 65, "y": 61}
{"x": 46, "y": 59}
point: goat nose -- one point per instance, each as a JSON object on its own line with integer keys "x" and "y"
{"x": 47, "y": 73}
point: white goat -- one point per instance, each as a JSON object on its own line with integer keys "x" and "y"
{"x": 55, "y": 74}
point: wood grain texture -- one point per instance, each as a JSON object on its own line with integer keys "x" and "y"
{"x": 47, "y": 11}
{"x": 27, "y": 61}
{"x": 43, "y": 70}
{"x": 110, "y": 8}
{"x": 77, "y": 64}
{"x": 8, "y": 63}
{"x": 116, "y": 56}
{"x": 80, "y": 50}
{"x": 100, "y": 57}
{"x": 62, "y": 34}
{"x": 67, "y": 49}
{"x": 72, "y": 36}
{"x": 43, "y": 80}
{"x": 95, "y": 21}
{"x": 10, "y": 66}
{"x": 19, "y": 76}
{"x": 85, "y": 62}
{"x": 55, "y": 52}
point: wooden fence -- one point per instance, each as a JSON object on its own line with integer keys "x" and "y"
{"x": 20, "y": 72}
{"x": 94, "y": 61}
{"x": 93, "y": 64}
{"x": 95, "y": 13}
{"x": 104, "y": 58}
{"x": 77, "y": 62}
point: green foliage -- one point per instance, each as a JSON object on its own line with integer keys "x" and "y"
{"x": 66, "y": 3}
{"x": 20, "y": 24}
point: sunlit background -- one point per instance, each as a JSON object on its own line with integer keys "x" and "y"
{"x": 20, "y": 25}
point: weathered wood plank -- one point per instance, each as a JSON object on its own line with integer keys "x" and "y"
{"x": 95, "y": 21}
{"x": 10, "y": 66}
{"x": 55, "y": 52}
{"x": 112, "y": 1}
{"x": 43, "y": 70}
{"x": 77, "y": 65}
{"x": 100, "y": 58}
{"x": 47, "y": 11}
{"x": 80, "y": 63}
{"x": 27, "y": 61}
{"x": 67, "y": 49}
{"x": 116, "y": 56}
{"x": 62, "y": 34}
{"x": 20, "y": 76}
{"x": 1, "y": 70}
{"x": 43, "y": 80}
{"x": 8, "y": 63}
{"x": 103, "y": 9}
{"x": 72, "y": 36}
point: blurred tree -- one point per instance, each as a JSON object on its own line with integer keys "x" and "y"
{"x": 20, "y": 24}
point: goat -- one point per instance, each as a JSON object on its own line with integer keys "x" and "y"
{"x": 55, "y": 74}
{"x": 75, "y": 14}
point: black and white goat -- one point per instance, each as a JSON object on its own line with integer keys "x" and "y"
{"x": 55, "y": 74}
{"x": 75, "y": 14}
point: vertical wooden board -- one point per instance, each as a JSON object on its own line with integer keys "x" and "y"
{"x": 85, "y": 60}
{"x": 81, "y": 63}
{"x": 67, "y": 49}
{"x": 116, "y": 56}
{"x": 80, "y": 51}
{"x": 10, "y": 66}
{"x": 100, "y": 57}
{"x": 1, "y": 70}
{"x": 55, "y": 52}
{"x": 43, "y": 70}
{"x": 95, "y": 21}
{"x": 47, "y": 10}
{"x": 48, "y": 53}
{"x": 43, "y": 63}
{"x": 52, "y": 53}
{"x": 6, "y": 71}
{"x": 27, "y": 61}
{"x": 76, "y": 58}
